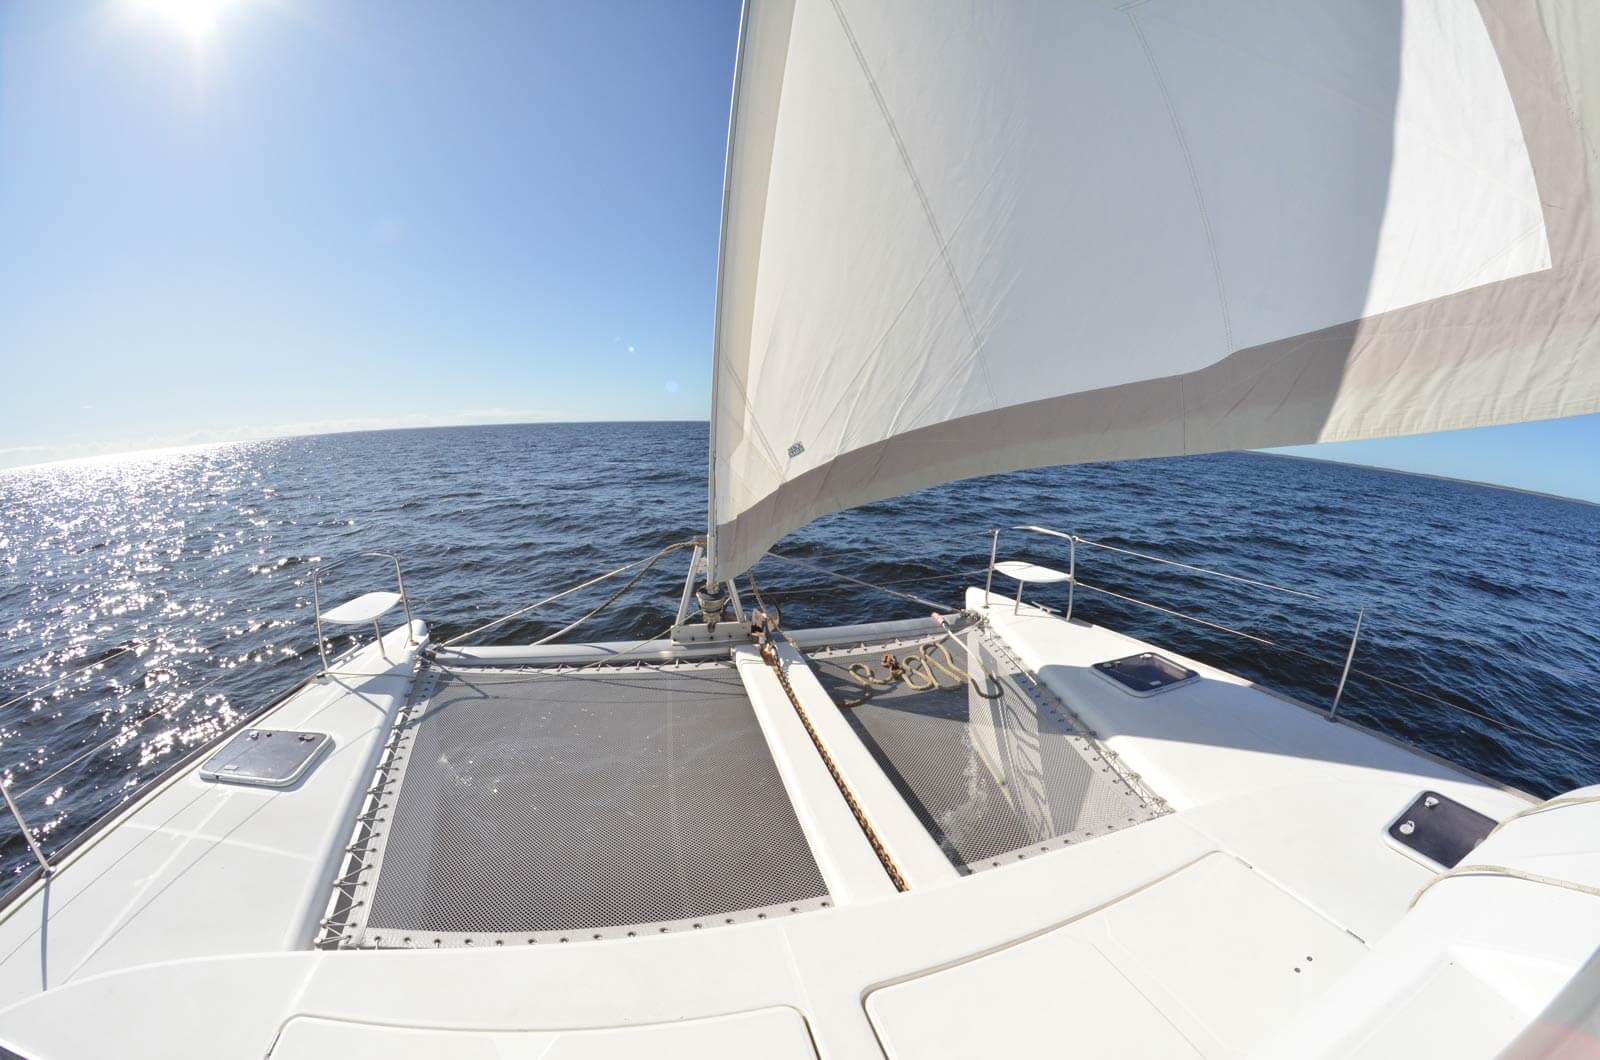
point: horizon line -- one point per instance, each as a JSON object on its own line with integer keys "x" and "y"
{"x": 269, "y": 436}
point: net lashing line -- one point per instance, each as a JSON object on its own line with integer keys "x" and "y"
{"x": 995, "y": 777}
{"x": 357, "y": 853}
{"x": 545, "y": 877}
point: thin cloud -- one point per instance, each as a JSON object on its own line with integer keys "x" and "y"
{"x": 34, "y": 455}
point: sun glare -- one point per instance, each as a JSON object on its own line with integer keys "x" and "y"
{"x": 195, "y": 19}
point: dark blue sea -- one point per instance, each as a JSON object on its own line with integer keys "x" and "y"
{"x": 1481, "y": 638}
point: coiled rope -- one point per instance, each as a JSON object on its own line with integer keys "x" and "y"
{"x": 919, "y": 670}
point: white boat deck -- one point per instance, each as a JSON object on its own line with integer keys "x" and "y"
{"x": 1304, "y": 800}
{"x": 1226, "y": 926}
{"x": 196, "y": 869}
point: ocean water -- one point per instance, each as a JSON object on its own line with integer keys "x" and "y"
{"x": 186, "y": 577}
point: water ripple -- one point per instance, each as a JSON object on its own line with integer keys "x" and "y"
{"x": 198, "y": 562}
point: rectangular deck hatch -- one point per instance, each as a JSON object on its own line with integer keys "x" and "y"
{"x": 1440, "y": 829}
{"x": 1145, "y": 674}
{"x": 268, "y": 758}
{"x": 566, "y": 805}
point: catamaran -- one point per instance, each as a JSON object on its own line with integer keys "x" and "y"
{"x": 958, "y": 238}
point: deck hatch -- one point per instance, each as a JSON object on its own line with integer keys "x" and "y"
{"x": 550, "y": 805}
{"x": 267, "y": 758}
{"x": 994, "y": 766}
{"x": 1145, "y": 674}
{"x": 1440, "y": 829}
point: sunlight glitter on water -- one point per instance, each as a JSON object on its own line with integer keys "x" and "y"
{"x": 110, "y": 554}
{"x": 198, "y": 563}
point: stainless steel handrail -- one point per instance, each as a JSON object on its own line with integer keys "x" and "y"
{"x": 1074, "y": 540}
{"x": 27, "y": 834}
{"x": 175, "y": 766}
{"x": 316, "y": 572}
{"x": 1173, "y": 562}
{"x": 1521, "y": 730}
{"x": 5, "y": 785}
{"x": 320, "y": 569}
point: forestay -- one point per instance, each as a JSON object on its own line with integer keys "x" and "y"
{"x": 969, "y": 237}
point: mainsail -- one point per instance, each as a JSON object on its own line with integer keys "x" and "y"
{"x": 969, "y": 236}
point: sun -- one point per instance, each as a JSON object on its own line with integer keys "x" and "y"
{"x": 195, "y": 19}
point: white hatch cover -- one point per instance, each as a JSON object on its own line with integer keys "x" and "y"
{"x": 1202, "y": 963}
{"x": 268, "y": 758}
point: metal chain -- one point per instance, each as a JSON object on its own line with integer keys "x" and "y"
{"x": 770, "y": 654}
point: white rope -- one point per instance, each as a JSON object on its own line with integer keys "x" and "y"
{"x": 1548, "y": 804}
{"x": 919, "y": 670}
{"x": 1507, "y": 873}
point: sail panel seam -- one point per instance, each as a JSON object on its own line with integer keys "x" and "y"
{"x": 1194, "y": 180}
{"x": 922, "y": 195}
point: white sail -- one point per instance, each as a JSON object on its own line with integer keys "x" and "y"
{"x": 969, "y": 236}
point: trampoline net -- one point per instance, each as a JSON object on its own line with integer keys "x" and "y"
{"x": 554, "y": 805}
{"x": 993, "y": 765}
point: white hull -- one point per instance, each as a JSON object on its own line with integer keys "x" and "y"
{"x": 1263, "y": 911}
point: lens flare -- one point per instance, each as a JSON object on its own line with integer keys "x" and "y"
{"x": 195, "y": 19}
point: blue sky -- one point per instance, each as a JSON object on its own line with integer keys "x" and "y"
{"x": 366, "y": 213}
{"x": 228, "y": 219}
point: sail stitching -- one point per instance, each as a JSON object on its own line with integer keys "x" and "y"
{"x": 853, "y": 390}
{"x": 922, "y": 196}
{"x": 750, "y": 413}
{"x": 1194, "y": 179}
{"x": 1310, "y": 78}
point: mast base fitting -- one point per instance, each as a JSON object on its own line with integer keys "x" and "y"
{"x": 729, "y": 632}
{"x": 713, "y": 607}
